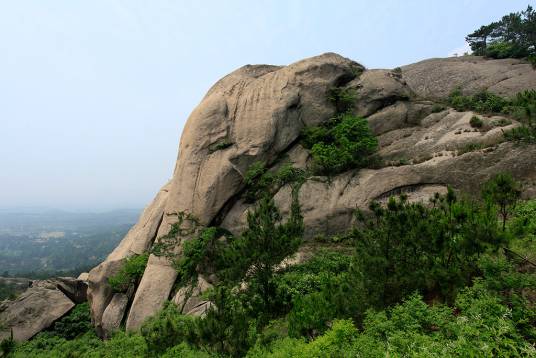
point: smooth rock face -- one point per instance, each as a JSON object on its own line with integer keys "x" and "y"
{"x": 189, "y": 298}
{"x": 437, "y": 77}
{"x": 34, "y": 310}
{"x": 257, "y": 113}
{"x": 114, "y": 313}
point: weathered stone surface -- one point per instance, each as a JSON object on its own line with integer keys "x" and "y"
{"x": 83, "y": 276}
{"x": 34, "y": 310}
{"x": 154, "y": 289}
{"x": 377, "y": 89}
{"x": 137, "y": 240}
{"x": 201, "y": 309}
{"x": 188, "y": 298}
{"x": 114, "y": 313}
{"x": 74, "y": 289}
{"x": 437, "y": 77}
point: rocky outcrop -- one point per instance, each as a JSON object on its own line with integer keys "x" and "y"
{"x": 261, "y": 111}
{"x": 257, "y": 113}
{"x": 39, "y": 307}
{"x": 137, "y": 240}
{"x": 437, "y": 77}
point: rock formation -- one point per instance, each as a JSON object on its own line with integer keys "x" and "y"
{"x": 40, "y": 306}
{"x": 257, "y": 113}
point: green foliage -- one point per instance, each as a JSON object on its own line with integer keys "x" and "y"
{"x": 202, "y": 251}
{"x": 342, "y": 98}
{"x": 476, "y": 122}
{"x": 436, "y": 108}
{"x": 523, "y": 224}
{"x": 512, "y": 36}
{"x": 513, "y": 288}
{"x": 260, "y": 181}
{"x": 504, "y": 192}
{"x": 501, "y": 49}
{"x": 482, "y": 102}
{"x": 343, "y": 143}
{"x": 532, "y": 60}
{"x": 7, "y": 346}
{"x": 230, "y": 327}
{"x": 168, "y": 328}
{"x": 264, "y": 244}
{"x": 521, "y": 134}
{"x": 130, "y": 272}
{"x": 408, "y": 246}
{"x": 183, "y": 350}
{"x": 478, "y": 325}
{"x": 76, "y": 323}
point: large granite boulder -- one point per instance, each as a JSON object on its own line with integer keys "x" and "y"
{"x": 258, "y": 110}
{"x": 257, "y": 113}
{"x": 37, "y": 308}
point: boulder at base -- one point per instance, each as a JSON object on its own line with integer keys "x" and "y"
{"x": 33, "y": 311}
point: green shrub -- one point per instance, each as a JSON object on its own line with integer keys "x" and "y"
{"x": 169, "y": 328}
{"x": 476, "y": 122}
{"x": 259, "y": 180}
{"x": 521, "y": 134}
{"x": 523, "y": 223}
{"x": 501, "y": 49}
{"x": 76, "y": 323}
{"x": 130, "y": 272}
{"x": 121, "y": 345}
{"x": 311, "y": 276}
{"x": 503, "y": 191}
{"x": 409, "y": 247}
{"x": 183, "y": 350}
{"x": 345, "y": 142}
{"x": 482, "y": 102}
{"x": 532, "y": 60}
{"x": 436, "y": 108}
{"x": 342, "y": 98}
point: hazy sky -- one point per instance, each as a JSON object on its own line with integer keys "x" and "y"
{"x": 94, "y": 94}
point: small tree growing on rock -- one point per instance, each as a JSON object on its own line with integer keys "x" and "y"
{"x": 502, "y": 190}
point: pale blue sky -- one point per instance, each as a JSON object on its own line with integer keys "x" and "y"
{"x": 94, "y": 94}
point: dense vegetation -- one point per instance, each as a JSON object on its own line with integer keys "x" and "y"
{"x": 442, "y": 279}
{"x": 512, "y": 36}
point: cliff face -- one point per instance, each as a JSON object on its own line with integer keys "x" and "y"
{"x": 257, "y": 113}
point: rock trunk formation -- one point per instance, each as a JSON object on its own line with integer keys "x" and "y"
{"x": 257, "y": 113}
